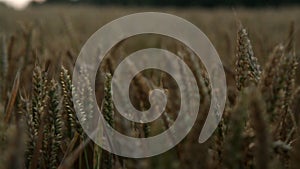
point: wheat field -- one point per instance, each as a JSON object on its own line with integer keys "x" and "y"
{"x": 259, "y": 49}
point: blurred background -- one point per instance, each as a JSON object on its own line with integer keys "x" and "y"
{"x": 41, "y": 40}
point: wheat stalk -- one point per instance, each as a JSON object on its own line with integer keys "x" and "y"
{"x": 68, "y": 107}
{"x": 247, "y": 67}
{"x": 56, "y": 124}
{"x": 233, "y": 150}
{"x": 259, "y": 124}
{"x": 3, "y": 68}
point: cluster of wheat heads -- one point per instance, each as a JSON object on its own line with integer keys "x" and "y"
{"x": 263, "y": 126}
{"x": 259, "y": 128}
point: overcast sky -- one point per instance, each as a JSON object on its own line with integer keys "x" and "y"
{"x": 19, "y": 4}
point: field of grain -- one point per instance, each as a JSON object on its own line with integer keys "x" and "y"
{"x": 259, "y": 49}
